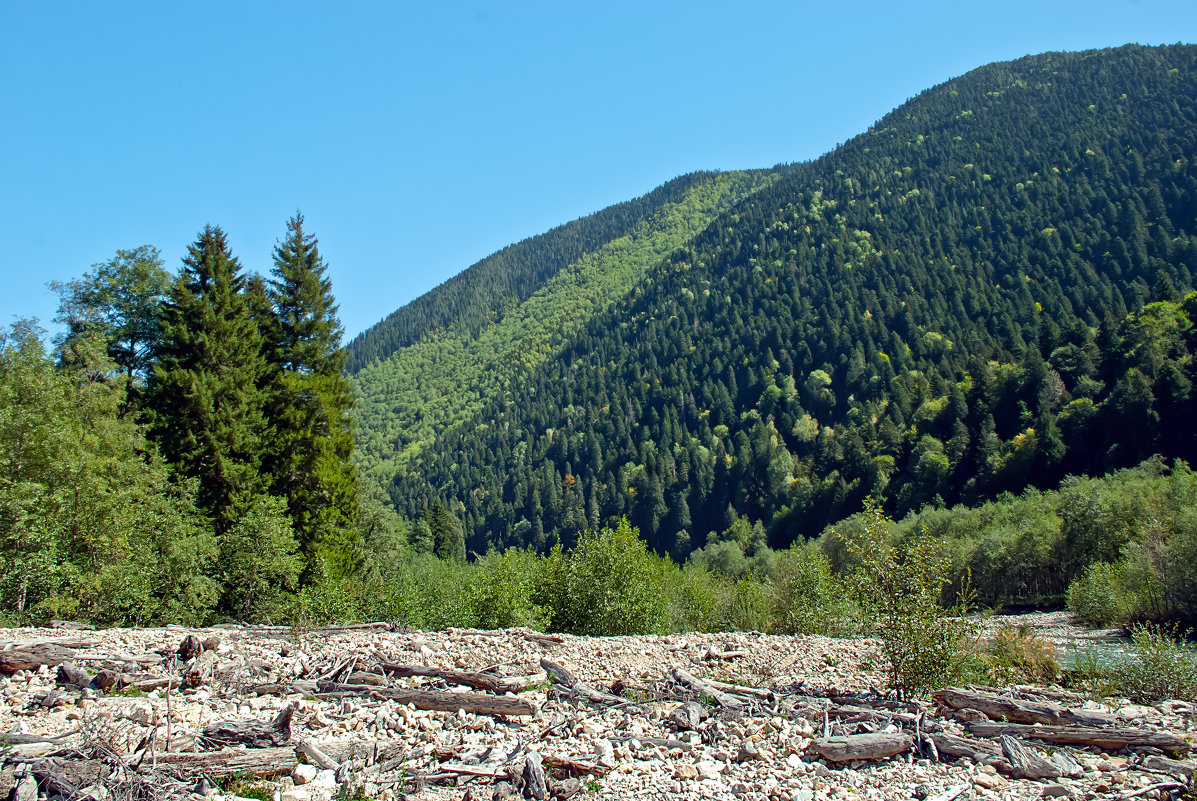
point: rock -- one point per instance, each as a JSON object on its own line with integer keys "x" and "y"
{"x": 689, "y": 716}
{"x": 1056, "y": 791}
{"x": 566, "y": 789}
{"x": 748, "y": 752}
{"x": 325, "y": 779}
{"x": 685, "y": 771}
{"x": 190, "y": 648}
{"x": 709, "y": 769}
{"x": 604, "y": 753}
{"x": 303, "y": 774}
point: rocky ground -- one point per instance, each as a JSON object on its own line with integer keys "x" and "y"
{"x": 638, "y": 718}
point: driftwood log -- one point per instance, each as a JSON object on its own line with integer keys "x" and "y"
{"x": 577, "y": 687}
{"x": 34, "y": 656}
{"x": 251, "y": 733}
{"x": 1109, "y": 739}
{"x": 983, "y": 752}
{"x": 1001, "y": 708}
{"x": 437, "y": 700}
{"x": 479, "y": 681}
{"x": 705, "y": 687}
{"x": 862, "y": 746}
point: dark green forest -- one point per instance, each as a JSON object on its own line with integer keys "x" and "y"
{"x": 981, "y": 293}
{"x": 973, "y": 321}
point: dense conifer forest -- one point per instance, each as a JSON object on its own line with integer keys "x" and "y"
{"x": 981, "y": 293}
{"x": 974, "y": 322}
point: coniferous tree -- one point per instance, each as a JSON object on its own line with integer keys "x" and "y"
{"x": 203, "y": 395}
{"x": 311, "y": 458}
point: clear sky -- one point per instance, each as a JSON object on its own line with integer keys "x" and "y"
{"x": 419, "y": 137}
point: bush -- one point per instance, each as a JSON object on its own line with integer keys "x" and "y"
{"x": 608, "y": 585}
{"x": 926, "y": 646}
{"x": 1018, "y": 655}
{"x": 502, "y": 590}
{"x": 1163, "y": 666}
{"x": 807, "y": 598}
{"x": 1096, "y": 598}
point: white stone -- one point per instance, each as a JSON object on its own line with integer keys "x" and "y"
{"x": 304, "y": 774}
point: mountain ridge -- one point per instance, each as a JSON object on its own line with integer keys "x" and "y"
{"x": 941, "y": 273}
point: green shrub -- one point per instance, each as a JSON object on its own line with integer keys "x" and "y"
{"x": 609, "y": 584}
{"x": 1097, "y": 598}
{"x": 1163, "y": 666}
{"x": 900, "y": 588}
{"x": 1018, "y": 655}
{"x": 500, "y": 595}
{"x": 807, "y": 598}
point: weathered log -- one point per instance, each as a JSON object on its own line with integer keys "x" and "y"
{"x": 862, "y": 746}
{"x": 316, "y": 756}
{"x": 1172, "y": 767}
{"x": 1025, "y": 763}
{"x": 1106, "y": 738}
{"x": 979, "y": 751}
{"x": 34, "y": 656}
{"x": 438, "y": 700}
{"x": 706, "y": 688}
{"x": 71, "y": 625}
{"x": 201, "y": 670}
{"x": 535, "y": 784}
{"x": 479, "y": 681}
{"x": 71, "y": 674}
{"x": 740, "y": 689}
{"x": 568, "y": 680}
{"x": 251, "y": 733}
{"x": 1000, "y": 708}
{"x": 255, "y": 763}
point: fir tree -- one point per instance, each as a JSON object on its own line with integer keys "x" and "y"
{"x": 311, "y": 460}
{"x": 203, "y": 395}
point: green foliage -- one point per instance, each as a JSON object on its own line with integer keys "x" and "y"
{"x": 608, "y": 584}
{"x": 949, "y": 307}
{"x": 1018, "y": 655}
{"x": 501, "y": 594}
{"x": 259, "y": 559}
{"x": 311, "y": 444}
{"x": 1163, "y": 666}
{"x": 203, "y": 392}
{"x": 900, "y": 589}
{"x": 118, "y": 301}
{"x": 1096, "y": 597}
{"x": 808, "y": 598}
{"x": 90, "y": 524}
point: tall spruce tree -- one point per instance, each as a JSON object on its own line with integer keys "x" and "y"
{"x": 311, "y": 457}
{"x": 204, "y": 393}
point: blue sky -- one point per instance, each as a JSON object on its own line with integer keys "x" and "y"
{"x": 418, "y": 138}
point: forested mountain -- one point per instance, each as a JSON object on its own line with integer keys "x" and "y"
{"x": 980, "y": 293}
{"x": 469, "y": 301}
{"x": 420, "y": 392}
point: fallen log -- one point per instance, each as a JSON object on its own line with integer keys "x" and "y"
{"x": 983, "y": 752}
{"x": 568, "y": 680}
{"x": 1172, "y": 767}
{"x": 251, "y": 733}
{"x": 265, "y": 762}
{"x": 862, "y": 746}
{"x": 479, "y": 681}
{"x": 437, "y": 700}
{"x": 1001, "y": 708}
{"x": 740, "y": 689}
{"x": 706, "y": 688}
{"x": 34, "y": 656}
{"x": 1109, "y": 739}
{"x": 1025, "y": 763}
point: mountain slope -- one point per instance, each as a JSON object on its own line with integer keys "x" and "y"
{"x": 434, "y": 383}
{"x": 935, "y": 312}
